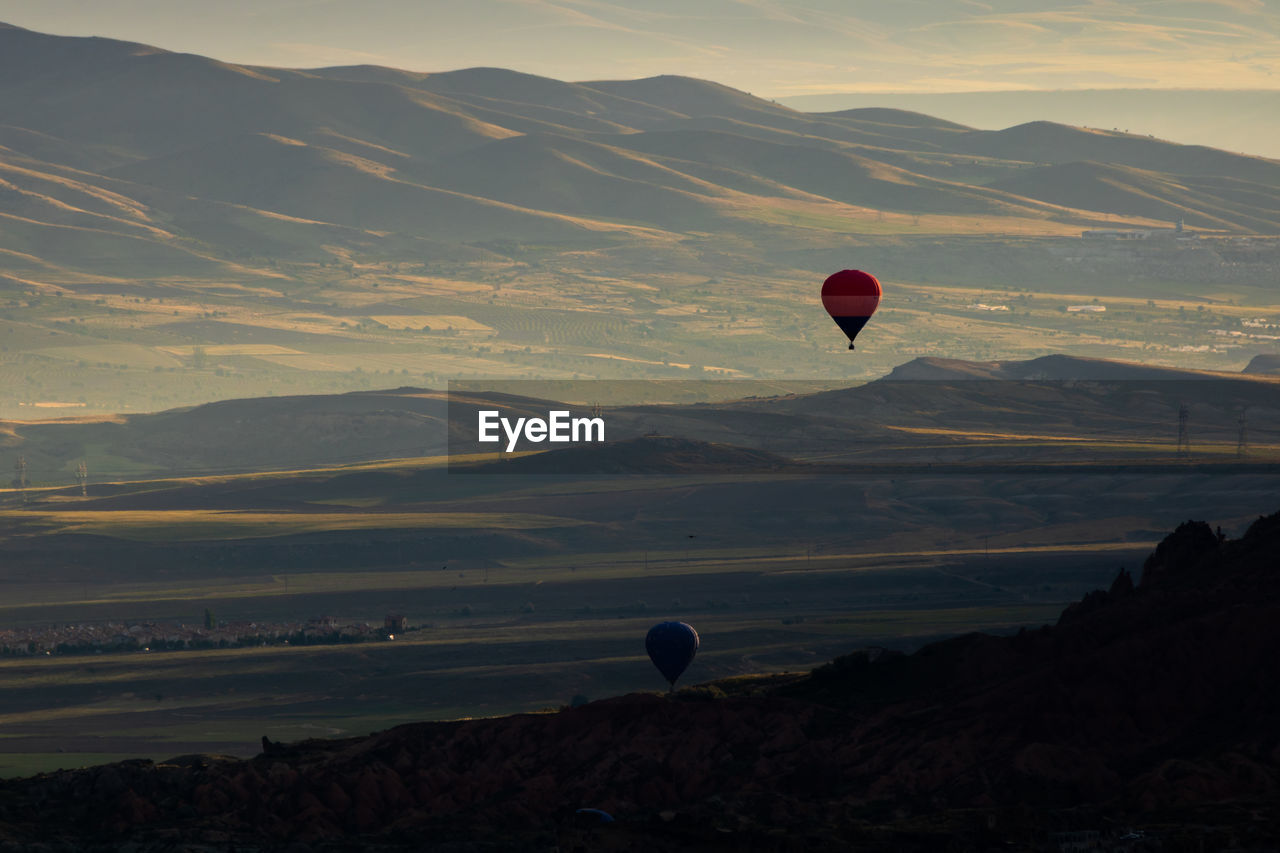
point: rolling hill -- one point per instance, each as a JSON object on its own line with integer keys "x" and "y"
{"x": 293, "y": 142}
{"x": 1203, "y": 201}
{"x": 1046, "y": 411}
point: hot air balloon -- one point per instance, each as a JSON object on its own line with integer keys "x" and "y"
{"x": 851, "y": 297}
{"x": 671, "y": 647}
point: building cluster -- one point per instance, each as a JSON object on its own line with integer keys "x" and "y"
{"x": 1236, "y": 333}
{"x": 103, "y": 637}
{"x": 1254, "y": 325}
{"x": 1174, "y": 233}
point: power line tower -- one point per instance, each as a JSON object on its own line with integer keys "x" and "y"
{"x": 20, "y": 478}
{"x": 1242, "y": 433}
{"x": 1184, "y": 437}
{"x": 82, "y": 477}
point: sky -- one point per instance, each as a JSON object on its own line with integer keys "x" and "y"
{"x": 771, "y": 48}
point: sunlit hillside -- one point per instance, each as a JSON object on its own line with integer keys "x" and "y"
{"x": 175, "y": 229}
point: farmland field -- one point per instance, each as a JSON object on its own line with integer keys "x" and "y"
{"x": 102, "y": 349}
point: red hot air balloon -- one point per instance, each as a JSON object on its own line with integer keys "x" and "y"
{"x": 851, "y": 297}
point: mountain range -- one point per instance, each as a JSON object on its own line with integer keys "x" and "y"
{"x": 110, "y": 148}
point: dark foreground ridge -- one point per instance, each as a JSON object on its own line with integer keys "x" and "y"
{"x": 1152, "y": 707}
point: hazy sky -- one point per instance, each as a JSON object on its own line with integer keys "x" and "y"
{"x": 769, "y": 47}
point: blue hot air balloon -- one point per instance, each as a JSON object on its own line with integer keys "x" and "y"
{"x": 671, "y": 647}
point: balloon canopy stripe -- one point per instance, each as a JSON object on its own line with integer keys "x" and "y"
{"x": 850, "y": 305}
{"x": 851, "y": 325}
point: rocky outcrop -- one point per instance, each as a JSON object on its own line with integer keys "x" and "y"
{"x": 1180, "y": 551}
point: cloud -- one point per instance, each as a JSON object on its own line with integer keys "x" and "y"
{"x": 765, "y": 46}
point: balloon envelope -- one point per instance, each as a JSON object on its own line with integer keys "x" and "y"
{"x": 851, "y": 297}
{"x": 671, "y": 647}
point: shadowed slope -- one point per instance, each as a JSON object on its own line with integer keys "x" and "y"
{"x": 289, "y": 176}
{"x": 1154, "y": 696}
{"x": 576, "y": 177}
{"x": 1202, "y": 201}
{"x": 852, "y": 176}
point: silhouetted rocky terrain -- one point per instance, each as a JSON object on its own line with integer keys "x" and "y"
{"x": 1150, "y": 710}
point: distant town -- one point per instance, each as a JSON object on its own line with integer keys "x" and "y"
{"x": 119, "y": 637}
